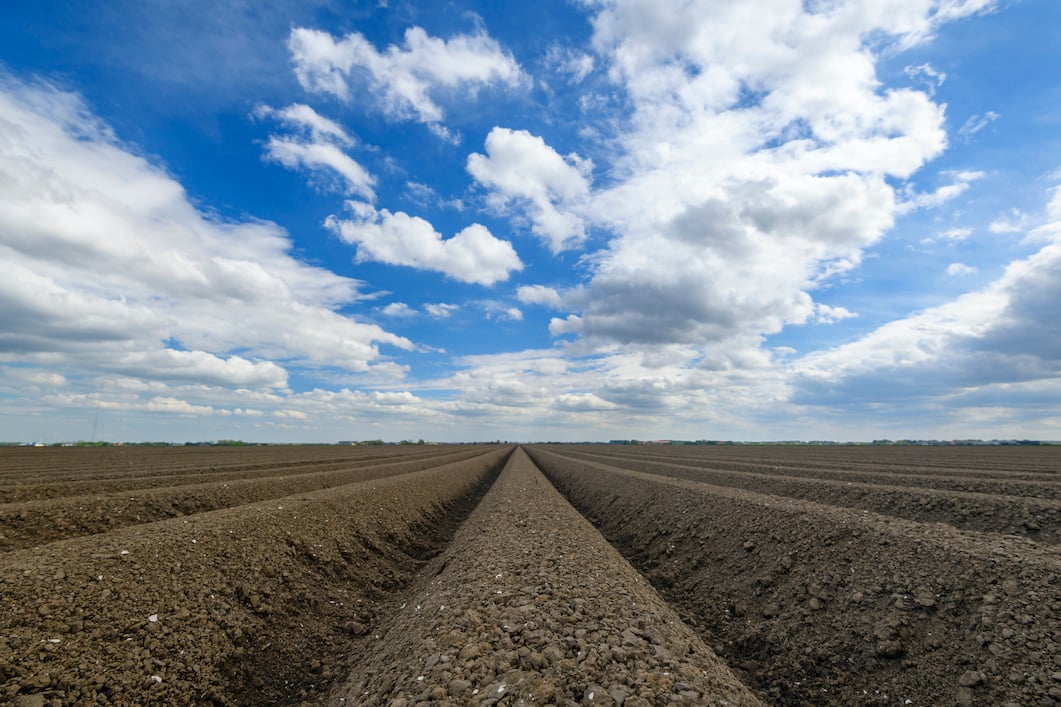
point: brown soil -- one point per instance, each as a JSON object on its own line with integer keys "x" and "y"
{"x": 33, "y": 522}
{"x": 815, "y": 603}
{"x": 530, "y": 605}
{"x": 254, "y": 604}
{"x": 287, "y": 575}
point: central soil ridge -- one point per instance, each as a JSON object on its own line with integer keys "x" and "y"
{"x": 529, "y": 604}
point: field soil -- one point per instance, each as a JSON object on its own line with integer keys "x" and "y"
{"x": 464, "y": 575}
{"x": 828, "y": 601}
{"x": 257, "y": 603}
{"x": 530, "y": 605}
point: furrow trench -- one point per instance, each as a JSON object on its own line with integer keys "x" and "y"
{"x": 257, "y": 604}
{"x": 816, "y": 604}
{"x": 530, "y": 605}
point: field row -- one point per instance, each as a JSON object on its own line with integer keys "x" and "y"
{"x": 824, "y": 602}
{"x": 1019, "y": 462}
{"x": 530, "y": 605}
{"x": 1028, "y": 508}
{"x": 250, "y": 604}
{"x": 28, "y": 523}
{"x": 32, "y": 474}
{"x": 460, "y": 575}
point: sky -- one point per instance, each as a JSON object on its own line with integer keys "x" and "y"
{"x": 315, "y": 221}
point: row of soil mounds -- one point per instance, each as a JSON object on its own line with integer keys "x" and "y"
{"x": 529, "y": 605}
{"x": 34, "y": 521}
{"x": 256, "y": 603}
{"x": 825, "y": 603}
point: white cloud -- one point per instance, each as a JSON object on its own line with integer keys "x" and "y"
{"x": 539, "y": 294}
{"x": 316, "y": 144}
{"x": 177, "y": 406}
{"x": 398, "y": 309}
{"x": 1003, "y": 334}
{"x": 199, "y": 366}
{"x": 521, "y": 167}
{"x": 951, "y": 235}
{"x": 959, "y": 185}
{"x": 498, "y": 311}
{"x": 975, "y": 123}
{"x": 571, "y": 325}
{"x": 824, "y": 314}
{"x": 106, "y": 259}
{"x": 441, "y": 310}
{"x": 573, "y": 64}
{"x": 927, "y": 75}
{"x": 582, "y": 402}
{"x": 957, "y": 269}
{"x": 753, "y": 167}
{"x": 1013, "y": 222}
{"x": 301, "y": 117}
{"x": 473, "y": 255}
{"x": 407, "y": 79}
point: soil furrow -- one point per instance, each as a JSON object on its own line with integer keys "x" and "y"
{"x": 831, "y": 606}
{"x": 33, "y": 523}
{"x": 1047, "y": 472}
{"x": 259, "y": 604}
{"x": 529, "y": 605}
{"x": 1046, "y": 489}
{"x": 1038, "y": 519}
{"x": 101, "y": 479}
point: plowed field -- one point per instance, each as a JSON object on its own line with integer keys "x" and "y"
{"x": 846, "y": 575}
{"x": 460, "y": 575}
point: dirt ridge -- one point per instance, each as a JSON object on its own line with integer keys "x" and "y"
{"x": 820, "y": 605}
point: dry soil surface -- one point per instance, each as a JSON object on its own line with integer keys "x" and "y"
{"x": 818, "y": 603}
{"x": 530, "y": 605}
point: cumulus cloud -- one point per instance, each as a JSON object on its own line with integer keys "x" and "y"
{"x": 316, "y": 144}
{"x": 398, "y": 309}
{"x": 539, "y": 294}
{"x": 1013, "y": 222}
{"x": 582, "y": 402}
{"x": 951, "y": 235}
{"x": 754, "y": 166}
{"x": 106, "y": 259}
{"x": 522, "y": 168}
{"x": 440, "y": 310}
{"x": 959, "y": 185}
{"x": 572, "y": 324}
{"x": 1003, "y": 334}
{"x": 568, "y": 62}
{"x": 824, "y": 314}
{"x": 406, "y": 79}
{"x": 473, "y": 255}
{"x": 956, "y": 269}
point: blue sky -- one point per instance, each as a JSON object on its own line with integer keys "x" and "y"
{"x": 312, "y": 221}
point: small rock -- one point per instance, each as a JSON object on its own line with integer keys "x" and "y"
{"x": 458, "y": 688}
{"x": 29, "y": 701}
{"x": 596, "y": 695}
{"x": 971, "y": 678}
{"x": 748, "y": 546}
{"x": 889, "y": 649}
{"x": 356, "y": 628}
{"x": 619, "y": 692}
